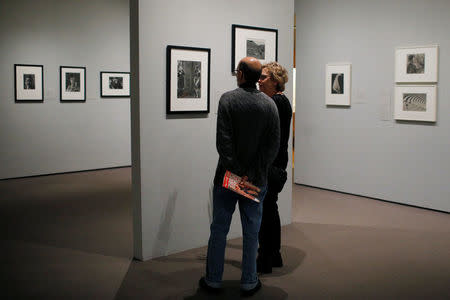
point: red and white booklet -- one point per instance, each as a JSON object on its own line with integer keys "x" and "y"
{"x": 241, "y": 186}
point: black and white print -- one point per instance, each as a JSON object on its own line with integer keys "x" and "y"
{"x": 29, "y": 82}
{"x": 256, "y": 48}
{"x": 415, "y": 63}
{"x": 116, "y": 83}
{"x": 72, "y": 82}
{"x": 189, "y": 79}
{"x": 337, "y": 83}
{"x": 414, "y": 102}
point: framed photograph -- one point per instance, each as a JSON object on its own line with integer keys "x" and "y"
{"x": 188, "y": 71}
{"x": 415, "y": 102}
{"x": 29, "y": 82}
{"x": 72, "y": 83}
{"x": 416, "y": 64}
{"x": 114, "y": 84}
{"x": 261, "y": 43}
{"x": 338, "y": 84}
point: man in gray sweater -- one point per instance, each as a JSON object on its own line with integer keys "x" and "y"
{"x": 247, "y": 140}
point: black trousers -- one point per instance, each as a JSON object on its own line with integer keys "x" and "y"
{"x": 270, "y": 230}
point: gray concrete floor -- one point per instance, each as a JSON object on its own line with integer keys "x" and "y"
{"x": 69, "y": 236}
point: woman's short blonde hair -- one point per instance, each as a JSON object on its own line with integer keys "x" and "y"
{"x": 278, "y": 73}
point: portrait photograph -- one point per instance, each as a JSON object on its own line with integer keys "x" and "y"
{"x": 115, "y": 84}
{"x": 258, "y": 42}
{"x": 73, "y": 84}
{"x": 416, "y": 64}
{"x": 188, "y": 80}
{"x": 338, "y": 84}
{"x": 415, "y": 103}
{"x": 29, "y": 82}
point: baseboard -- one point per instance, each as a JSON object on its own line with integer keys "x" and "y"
{"x": 373, "y": 198}
{"x": 68, "y": 172}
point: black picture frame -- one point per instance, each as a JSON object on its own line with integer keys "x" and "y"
{"x": 188, "y": 94}
{"x": 72, "y": 90}
{"x": 114, "y": 84}
{"x": 240, "y": 50}
{"x": 28, "y": 83}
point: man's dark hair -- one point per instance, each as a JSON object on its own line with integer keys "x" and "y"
{"x": 251, "y": 75}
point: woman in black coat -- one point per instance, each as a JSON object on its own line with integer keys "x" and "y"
{"x": 272, "y": 83}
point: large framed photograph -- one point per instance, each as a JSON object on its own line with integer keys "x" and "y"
{"x": 415, "y": 102}
{"x": 114, "y": 84}
{"x": 261, "y": 43}
{"x": 416, "y": 64}
{"x": 28, "y": 82}
{"x": 188, "y": 71}
{"x": 338, "y": 82}
{"x": 72, "y": 83}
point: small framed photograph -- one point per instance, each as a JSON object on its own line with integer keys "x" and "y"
{"x": 338, "y": 84}
{"x": 188, "y": 71}
{"x": 29, "y": 82}
{"x": 261, "y": 43}
{"x": 73, "y": 83}
{"x": 415, "y": 102}
{"x": 114, "y": 84}
{"x": 416, "y": 64}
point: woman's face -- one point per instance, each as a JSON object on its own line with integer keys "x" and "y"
{"x": 266, "y": 84}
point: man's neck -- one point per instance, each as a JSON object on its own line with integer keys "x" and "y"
{"x": 247, "y": 85}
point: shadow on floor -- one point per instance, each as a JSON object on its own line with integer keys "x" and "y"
{"x": 231, "y": 290}
{"x": 176, "y": 276}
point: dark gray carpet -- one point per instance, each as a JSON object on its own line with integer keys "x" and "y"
{"x": 69, "y": 236}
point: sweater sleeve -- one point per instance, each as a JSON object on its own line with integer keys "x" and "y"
{"x": 224, "y": 139}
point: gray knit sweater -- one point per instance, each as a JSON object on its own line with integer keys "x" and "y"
{"x": 248, "y": 134}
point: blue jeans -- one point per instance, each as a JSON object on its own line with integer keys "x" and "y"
{"x": 224, "y": 203}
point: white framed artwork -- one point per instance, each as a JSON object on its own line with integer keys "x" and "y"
{"x": 338, "y": 82}
{"x": 258, "y": 42}
{"x": 416, "y": 64}
{"x": 188, "y": 79}
{"x": 114, "y": 84}
{"x": 415, "y": 103}
{"x": 72, "y": 84}
{"x": 28, "y": 82}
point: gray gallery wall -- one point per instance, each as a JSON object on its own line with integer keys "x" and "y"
{"x": 174, "y": 158}
{"x": 361, "y": 149}
{"x": 52, "y": 137}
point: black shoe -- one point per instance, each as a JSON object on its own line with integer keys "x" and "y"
{"x": 248, "y": 293}
{"x": 277, "y": 261}
{"x": 202, "y": 283}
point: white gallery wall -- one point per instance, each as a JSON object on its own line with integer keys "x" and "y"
{"x": 174, "y": 158}
{"x": 361, "y": 149}
{"x": 52, "y": 137}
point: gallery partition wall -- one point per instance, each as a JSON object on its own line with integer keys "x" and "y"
{"x": 70, "y": 127}
{"x": 381, "y": 135}
{"x": 174, "y": 154}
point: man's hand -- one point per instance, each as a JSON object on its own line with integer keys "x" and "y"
{"x": 246, "y": 185}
